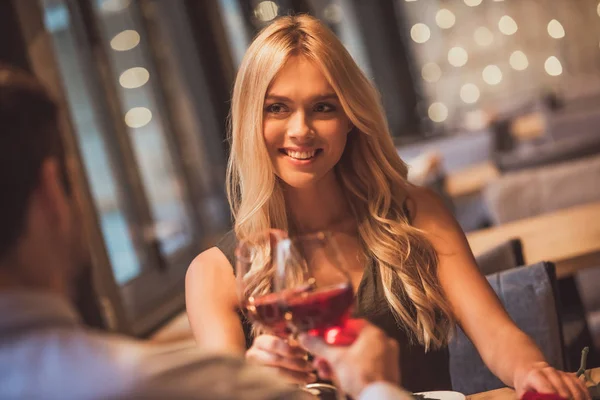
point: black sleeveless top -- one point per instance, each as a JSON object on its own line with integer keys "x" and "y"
{"x": 420, "y": 371}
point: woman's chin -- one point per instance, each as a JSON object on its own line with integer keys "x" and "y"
{"x": 300, "y": 184}
{"x": 306, "y": 180}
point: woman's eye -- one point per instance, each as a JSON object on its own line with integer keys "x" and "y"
{"x": 324, "y": 108}
{"x": 276, "y": 108}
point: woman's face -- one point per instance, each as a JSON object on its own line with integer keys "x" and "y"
{"x": 305, "y": 127}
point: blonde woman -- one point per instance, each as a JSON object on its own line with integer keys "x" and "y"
{"x": 311, "y": 151}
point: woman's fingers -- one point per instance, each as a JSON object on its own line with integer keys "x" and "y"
{"x": 277, "y": 345}
{"x": 259, "y": 356}
{"x": 546, "y": 379}
{"x": 536, "y": 381}
{"x": 578, "y": 389}
{"x": 578, "y": 386}
{"x": 300, "y": 378}
{"x": 560, "y": 386}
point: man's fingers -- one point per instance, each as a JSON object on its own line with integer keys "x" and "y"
{"x": 316, "y": 346}
{"x": 323, "y": 368}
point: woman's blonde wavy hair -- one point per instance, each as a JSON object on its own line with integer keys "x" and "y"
{"x": 370, "y": 171}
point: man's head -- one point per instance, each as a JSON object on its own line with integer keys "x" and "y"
{"x": 39, "y": 234}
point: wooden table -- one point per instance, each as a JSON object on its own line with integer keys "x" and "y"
{"x": 569, "y": 238}
{"x": 509, "y": 394}
{"x": 470, "y": 180}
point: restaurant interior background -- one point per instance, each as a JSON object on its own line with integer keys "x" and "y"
{"x": 493, "y": 103}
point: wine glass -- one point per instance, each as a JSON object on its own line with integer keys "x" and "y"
{"x": 259, "y": 298}
{"x": 288, "y": 286}
{"x": 318, "y": 295}
{"x": 315, "y": 289}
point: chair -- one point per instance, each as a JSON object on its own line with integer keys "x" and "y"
{"x": 505, "y": 256}
{"x": 529, "y": 296}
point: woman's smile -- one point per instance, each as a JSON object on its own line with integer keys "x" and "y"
{"x": 301, "y": 156}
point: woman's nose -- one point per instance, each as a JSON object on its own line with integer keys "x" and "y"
{"x": 299, "y": 126}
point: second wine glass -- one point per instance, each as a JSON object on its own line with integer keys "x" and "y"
{"x": 310, "y": 270}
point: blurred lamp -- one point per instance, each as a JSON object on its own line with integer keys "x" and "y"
{"x": 445, "y": 18}
{"x": 134, "y": 77}
{"x": 507, "y": 25}
{"x": 483, "y": 36}
{"x": 431, "y": 72}
{"x": 438, "y": 112}
{"x": 125, "y": 40}
{"x": 556, "y": 30}
{"x": 518, "y": 60}
{"x": 138, "y": 117}
{"x": 114, "y": 5}
{"x": 420, "y": 33}
{"x": 333, "y": 13}
{"x": 266, "y": 10}
{"x": 469, "y": 93}
{"x": 457, "y": 56}
{"x": 553, "y": 66}
{"x": 492, "y": 75}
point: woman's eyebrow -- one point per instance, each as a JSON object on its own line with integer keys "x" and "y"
{"x": 318, "y": 97}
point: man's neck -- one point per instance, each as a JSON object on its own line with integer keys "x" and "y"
{"x": 7, "y": 280}
{"x": 11, "y": 279}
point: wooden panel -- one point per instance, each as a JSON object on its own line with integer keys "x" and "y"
{"x": 570, "y": 238}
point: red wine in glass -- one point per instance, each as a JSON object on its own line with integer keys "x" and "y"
{"x": 255, "y": 255}
{"x": 318, "y": 310}
{"x": 323, "y": 305}
{"x": 270, "y": 311}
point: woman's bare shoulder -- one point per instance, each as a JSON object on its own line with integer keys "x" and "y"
{"x": 426, "y": 207}
{"x": 210, "y": 263}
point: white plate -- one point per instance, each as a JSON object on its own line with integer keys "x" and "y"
{"x": 443, "y": 395}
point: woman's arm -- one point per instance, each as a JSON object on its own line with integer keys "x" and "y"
{"x": 211, "y": 301}
{"x": 508, "y": 352}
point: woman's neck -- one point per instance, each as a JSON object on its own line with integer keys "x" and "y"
{"x": 322, "y": 206}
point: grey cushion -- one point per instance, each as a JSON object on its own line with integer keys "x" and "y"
{"x": 502, "y": 257}
{"x": 528, "y": 193}
{"x": 528, "y": 295}
{"x": 567, "y": 124}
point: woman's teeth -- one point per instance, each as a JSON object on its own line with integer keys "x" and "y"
{"x": 301, "y": 155}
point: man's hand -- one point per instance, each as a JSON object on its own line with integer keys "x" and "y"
{"x": 373, "y": 357}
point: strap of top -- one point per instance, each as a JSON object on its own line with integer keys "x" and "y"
{"x": 227, "y": 245}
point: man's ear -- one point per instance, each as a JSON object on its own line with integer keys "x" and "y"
{"x": 52, "y": 196}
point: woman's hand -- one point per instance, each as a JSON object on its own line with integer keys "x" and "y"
{"x": 542, "y": 378}
{"x": 288, "y": 358}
